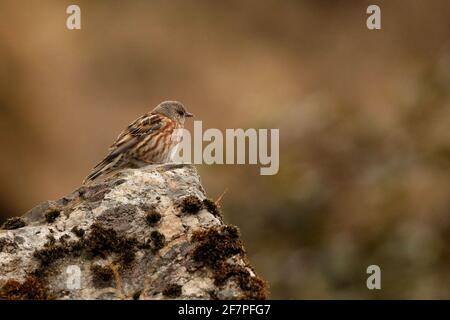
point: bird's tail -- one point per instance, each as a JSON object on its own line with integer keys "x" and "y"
{"x": 107, "y": 165}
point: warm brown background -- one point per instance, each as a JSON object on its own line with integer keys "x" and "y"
{"x": 364, "y": 120}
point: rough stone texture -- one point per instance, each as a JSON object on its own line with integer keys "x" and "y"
{"x": 140, "y": 234}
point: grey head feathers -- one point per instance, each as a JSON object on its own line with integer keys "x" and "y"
{"x": 173, "y": 110}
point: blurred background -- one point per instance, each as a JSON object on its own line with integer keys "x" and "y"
{"x": 364, "y": 119}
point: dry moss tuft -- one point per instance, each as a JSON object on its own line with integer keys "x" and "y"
{"x": 54, "y": 250}
{"x": 216, "y": 244}
{"x": 78, "y": 231}
{"x": 13, "y": 223}
{"x": 213, "y": 247}
{"x": 101, "y": 275}
{"x": 51, "y": 215}
{"x": 152, "y": 216}
{"x": 158, "y": 240}
{"x": 7, "y": 245}
{"x": 31, "y": 289}
{"x": 100, "y": 242}
{"x": 254, "y": 287}
{"x": 172, "y": 291}
{"x": 190, "y": 205}
{"x": 211, "y": 206}
{"x": 94, "y": 193}
{"x": 104, "y": 241}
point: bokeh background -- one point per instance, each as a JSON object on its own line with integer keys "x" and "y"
{"x": 364, "y": 119}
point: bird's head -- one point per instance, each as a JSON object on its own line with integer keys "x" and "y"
{"x": 173, "y": 110}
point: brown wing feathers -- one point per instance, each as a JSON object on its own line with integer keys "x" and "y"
{"x": 126, "y": 140}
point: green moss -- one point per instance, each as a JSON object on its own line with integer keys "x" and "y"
{"x": 101, "y": 275}
{"x": 172, "y": 291}
{"x": 158, "y": 240}
{"x": 13, "y": 223}
{"x": 32, "y": 288}
{"x": 190, "y": 205}
{"x": 51, "y": 215}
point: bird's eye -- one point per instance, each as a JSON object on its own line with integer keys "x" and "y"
{"x": 180, "y": 112}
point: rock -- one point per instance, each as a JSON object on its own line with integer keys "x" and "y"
{"x": 147, "y": 233}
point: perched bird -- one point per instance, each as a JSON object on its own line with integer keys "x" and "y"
{"x": 150, "y": 139}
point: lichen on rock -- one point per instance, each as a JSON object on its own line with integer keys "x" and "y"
{"x": 148, "y": 233}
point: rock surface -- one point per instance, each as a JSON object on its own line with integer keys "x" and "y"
{"x": 147, "y": 233}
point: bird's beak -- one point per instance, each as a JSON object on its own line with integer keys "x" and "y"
{"x": 188, "y": 115}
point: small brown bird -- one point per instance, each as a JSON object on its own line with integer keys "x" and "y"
{"x": 150, "y": 139}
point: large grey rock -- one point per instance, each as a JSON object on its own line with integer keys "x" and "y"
{"x": 146, "y": 233}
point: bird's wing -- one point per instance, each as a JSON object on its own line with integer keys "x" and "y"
{"x": 134, "y": 133}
